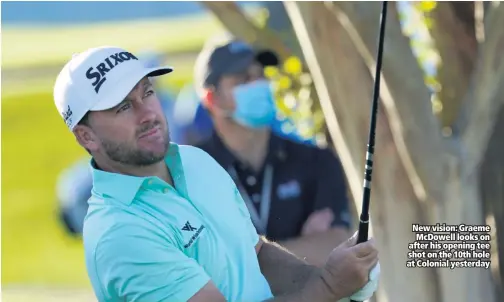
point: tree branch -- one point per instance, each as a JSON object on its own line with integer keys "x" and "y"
{"x": 403, "y": 93}
{"x": 240, "y": 25}
{"x": 465, "y": 12}
{"x": 344, "y": 87}
{"x": 280, "y": 24}
{"x": 491, "y": 181}
{"x": 453, "y": 32}
{"x": 484, "y": 99}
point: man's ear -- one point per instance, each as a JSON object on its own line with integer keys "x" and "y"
{"x": 86, "y": 137}
{"x": 208, "y": 98}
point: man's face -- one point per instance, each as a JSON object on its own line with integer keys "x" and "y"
{"x": 224, "y": 100}
{"x": 135, "y": 132}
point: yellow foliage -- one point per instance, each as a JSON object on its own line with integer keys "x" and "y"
{"x": 293, "y": 66}
{"x": 292, "y": 89}
{"x": 437, "y": 105}
{"x": 427, "y": 6}
{"x": 261, "y": 19}
{"x": 271, "y": 72}
{"x": 432, "y": 82}
{"x": 283, "y": 109}
{"x": 428, "y": 22}
{"x": 284, "y": 83}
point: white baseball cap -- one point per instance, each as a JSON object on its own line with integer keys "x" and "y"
{"x": 98, "y": 79}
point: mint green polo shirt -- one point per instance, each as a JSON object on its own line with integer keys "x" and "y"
{"x": 147, "y": 241}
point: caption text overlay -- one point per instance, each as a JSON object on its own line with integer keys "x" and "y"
{"x": 450, "y": 246}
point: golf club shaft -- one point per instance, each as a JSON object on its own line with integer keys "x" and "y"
{"x": 366, "y": 196}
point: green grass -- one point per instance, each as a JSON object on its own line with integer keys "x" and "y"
{"x": 24, "y": 294}
{"x": 35, "y": 147}
{"x": 21, "y": 87}
{"x": 44, "y": 45}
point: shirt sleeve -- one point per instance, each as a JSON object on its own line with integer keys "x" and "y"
{"x": 135, "y": 263}
{"x": 331, "y": 188}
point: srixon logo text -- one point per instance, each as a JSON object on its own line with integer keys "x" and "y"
{"x": 98, "y": 73}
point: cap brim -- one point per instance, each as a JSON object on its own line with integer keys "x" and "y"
{"x": 264, "y": 57}
{"x": 239, "y": 66}
{"x": 125, "y": 86}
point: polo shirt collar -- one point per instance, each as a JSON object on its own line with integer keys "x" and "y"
{"x": 123, "y": 187}
{"x": 276, "y": 151}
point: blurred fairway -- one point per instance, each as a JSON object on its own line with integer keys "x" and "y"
{"x": 163, "y": 35}
{"x": 37, "y": 254}
{"x": 21, "y": 294}
{"x": 35, "y": 148}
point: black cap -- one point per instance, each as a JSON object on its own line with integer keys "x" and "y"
{"x": 231, "y": 58}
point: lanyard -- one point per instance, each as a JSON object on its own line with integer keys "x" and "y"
{"x": 260, "y": 219}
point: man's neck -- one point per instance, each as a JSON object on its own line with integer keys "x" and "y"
{"x": 159, "y": 169}
{"x": 250, "y": 146}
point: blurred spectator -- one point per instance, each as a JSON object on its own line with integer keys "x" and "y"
{"x": 190, "y": 111}
{"x": 73, "y": 189}
{"x": 295, "y": 193}
{"x": 190, "y": 116}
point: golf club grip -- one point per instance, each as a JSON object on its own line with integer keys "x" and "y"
{"x": 362, "y": 235}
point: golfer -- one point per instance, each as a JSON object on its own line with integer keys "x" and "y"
{"x": 166, "y": 222}
{"x": 74, "y": 183}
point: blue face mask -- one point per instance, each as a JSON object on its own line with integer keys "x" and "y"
{"x": 255, "y": 107}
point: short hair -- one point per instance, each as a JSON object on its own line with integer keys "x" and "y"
{"x": 84, "y": 120}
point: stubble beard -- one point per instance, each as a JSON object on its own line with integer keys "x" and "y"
{"x": 123, "y": 153}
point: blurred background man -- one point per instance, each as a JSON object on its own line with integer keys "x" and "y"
{"x": 295, "y": 193}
